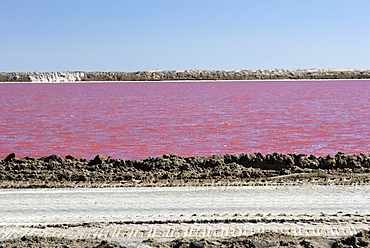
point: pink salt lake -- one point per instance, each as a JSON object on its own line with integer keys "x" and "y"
{"x": 142, "y": 119}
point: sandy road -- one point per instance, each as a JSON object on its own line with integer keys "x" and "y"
{"x": 166, "y": 213}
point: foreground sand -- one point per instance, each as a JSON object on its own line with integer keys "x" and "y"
{"x": 283, "y": 229}
{"x": 185, "y": 212}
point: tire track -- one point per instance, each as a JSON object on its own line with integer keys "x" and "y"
{"x": 171, "y": 231}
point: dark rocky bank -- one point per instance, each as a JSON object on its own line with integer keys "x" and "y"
{"x": 160, "y": 75}
{"x": 261, "y": 240}
{"x": 173, "y": 170}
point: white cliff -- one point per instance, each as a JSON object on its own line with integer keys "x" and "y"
{"x": 44, "y": 77}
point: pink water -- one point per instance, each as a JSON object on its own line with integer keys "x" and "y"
{"x": 142, "y": 119}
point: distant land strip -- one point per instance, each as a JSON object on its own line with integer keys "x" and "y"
{"x": 161, "y": 75}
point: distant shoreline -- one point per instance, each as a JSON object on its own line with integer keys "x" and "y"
{"x": 186, "y": 75}
{"x": 187, "y": 81}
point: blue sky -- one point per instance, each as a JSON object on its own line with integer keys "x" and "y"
{"x": 133, "y": 35}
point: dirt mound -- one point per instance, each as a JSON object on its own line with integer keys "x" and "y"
{"x": 174, "y": 170}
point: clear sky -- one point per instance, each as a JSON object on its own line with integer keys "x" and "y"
{"x": 133, "y": 35}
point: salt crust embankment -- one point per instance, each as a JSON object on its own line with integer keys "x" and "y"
{"x": 173, "y": 170}
{"x": 160, "y": 75}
